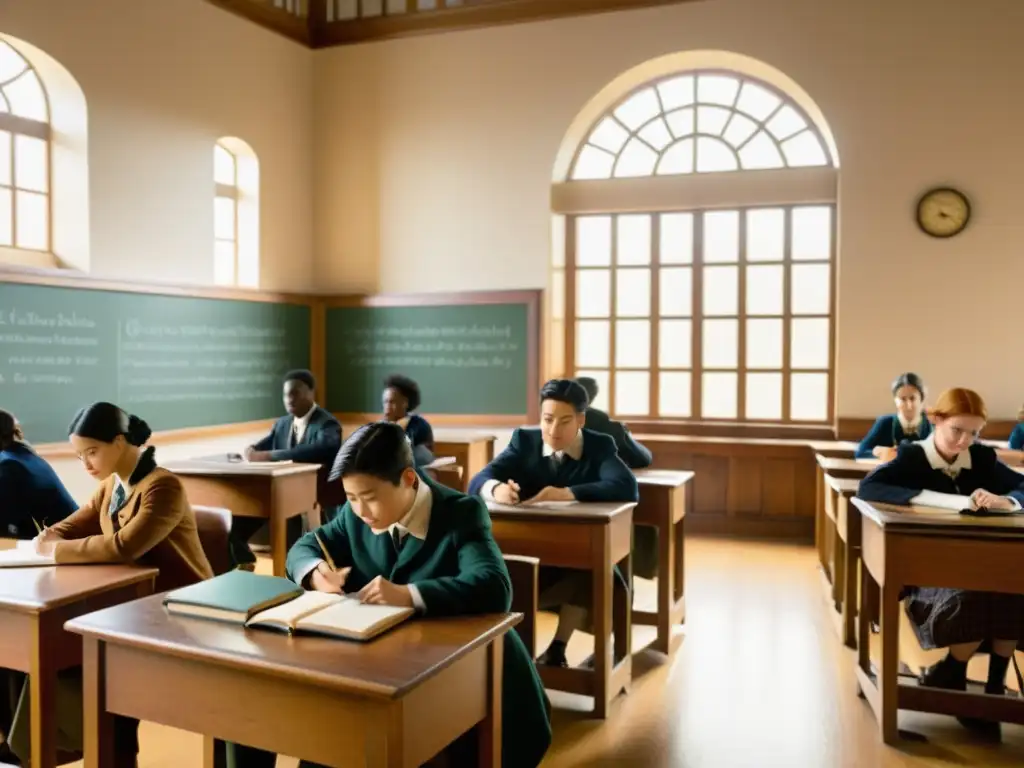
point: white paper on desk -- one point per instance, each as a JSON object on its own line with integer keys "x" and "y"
{"x": 549, "y": 504}
{"x": 937, "y": 500}
{"x": 23, "y": 556}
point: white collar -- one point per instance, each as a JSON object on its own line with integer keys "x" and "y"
{"x": 417, "y": 519}
{"x": 304, "y": 421}
{"x": 909, "y": 428}
{"x": 573, "y": 451}
{"x": 935, "y": 460}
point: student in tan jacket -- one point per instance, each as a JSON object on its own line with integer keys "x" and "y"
{"x": 139, "y": 514}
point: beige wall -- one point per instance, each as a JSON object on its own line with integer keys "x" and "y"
{"x": 435, "y": 154}
{"x": 163, "y": 79}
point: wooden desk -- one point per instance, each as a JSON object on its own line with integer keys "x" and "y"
{"x": 587, "y": 537}
{"x": 853, "y": 469}
{"x": 276, "y": 493}
{"x": 833, "y": 449}
{"x": 446, "y": 471}
{"x": 34, "y": 604}
{"x": 844, "y": 544}
{"x": 663, "y": 503}
{"x": 391, "y": 703}
{"x": 472, "y": 451}
{"x": 903, "y": 546}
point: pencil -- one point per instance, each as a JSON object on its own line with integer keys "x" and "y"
{"x": 326, "y": 554}
{"x": 39, "y": 528}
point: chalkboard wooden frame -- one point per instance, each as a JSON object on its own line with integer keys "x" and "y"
{"x": 532, "y": 299}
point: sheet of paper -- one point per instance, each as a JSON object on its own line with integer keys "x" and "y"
{"x": 23, "y": 556}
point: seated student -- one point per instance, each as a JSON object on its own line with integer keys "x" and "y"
{"x": 1017, "y": 436}
{"x": 31, "y": 494}
{"x": 951, "y": 466}
{"x": 906, "y": 425}
{"x": 308, "y": 434}
{"x": 401, "y": 399}
{"x": 139, "y": 514}
{"x": 561, "y": 461}
{"x": 635, "y": 455}
{"x": 404, "y": 540}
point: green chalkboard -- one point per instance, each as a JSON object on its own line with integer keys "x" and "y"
{"x": 174, "y": 361}
{"x": 471, "y": 358}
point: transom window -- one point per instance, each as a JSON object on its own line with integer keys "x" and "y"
{"x": 235, "y": 214}
{"x": 24, "y": 155}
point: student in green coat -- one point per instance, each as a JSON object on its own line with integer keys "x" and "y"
{"x": 403, "y": 540}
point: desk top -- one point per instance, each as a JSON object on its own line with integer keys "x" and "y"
{"x": 443, "y": 435}
{"x": 214, "y": 467}
{"x": 664, "y": 477}
{"x": 36, "y": 590}
{"x": 828, "y": 463}
{"x": 438, "y": 463}
{"x": 845, "y": 485}
{"x": 840, "y": 449}
{"x": 561, "y": 511}
{"x": 385, "y": 667}
{"x": 944, "y": 521}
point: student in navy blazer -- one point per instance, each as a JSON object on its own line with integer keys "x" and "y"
{"x": 906, "y": 425}
{"x": 401, "y": 398}
{"x": 308, "y": 434}
{"x": 561, "y": 461}
{"x": 30, "y": 491}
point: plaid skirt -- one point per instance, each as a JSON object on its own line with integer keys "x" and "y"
{"x": 942, "y": 617}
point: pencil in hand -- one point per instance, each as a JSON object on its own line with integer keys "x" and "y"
{"x": 327, "y": 555}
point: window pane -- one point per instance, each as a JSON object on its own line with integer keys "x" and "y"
{"x": 718, "y": 396}
{"x": 756, "y": 101}
{"x": 712, "y": 120}
{"x": 677, "y": 159}
{"x": 31, "y": 170}
{"x": 11, "y": 63}
{"x": 720, "y": 343}
{"x": 6, "y": 220}
{"x": 804, "y": 150}
{"x": 760, "y": 153}
{"x": 677, "y": 92}
{"x": 676, "y": 292}
{"x": 722, "y": 236}
{"x": 740, "y": 129}
{"x": 594, "y": 241}
{"x": 810, "y": 289}
{"x": 638, "y": 109}
{"x": 633, "y": 344}
{"x": 764, "y": 396}
{"x": 766, "y": 229}
{"x": 714, "y": 155}
{"x": 637, "y": 159}
{"x": 593, "y": 293}
{"x": 33, "y": 221}
{"x": 558, "y": 295}
{"x": 764, "y": 344}
{"x": 808, "y": 397}
{"x": 593, "y": 345}
{"x": 632, "y": 393}
{"x": 224, "y": 218}
{"x": 721, "y": 289}
{"x": 25, "y": 95}
{"x": 764, "y": 289}
{"x": 675, "y": 344}
{"x": 717, "y": 89}
{"x": 812, "y": 233}
{"x": 633, "y": 293}
{"x": 656, "y": 134}
{"x": 223, "y": 262}
{"x": 634, "y": 239}
{"x": 786, "y": 122}
{"x": 601, "y": 377}
{"x": 609, "y": 135}
{"x": 593, "y": 163}
{"x": 676, "y": 238}
{"x": 674, "y": 394}
{"x": 681, "y": 122}
{"x": 223, "y": 166}
{"x": 808, "y": 345}
{"x": 5, "y": 155}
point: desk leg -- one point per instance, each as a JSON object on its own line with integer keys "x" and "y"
{"x": 850, "y": 594}
{"x": 43, "y": 696}
{"x": 99, "y": 724}
{"x": 819, "y": 519}
{"x": 278, "y": 540}
{"x": 209, "y": 752}
{"x": 679, "y": 568}
{"x": 622, "y": 616}
{"x": 889, "y": 664}
{"x": 489, "y": 729}
{"x": 666, "y": 585}
{"x": 602, "y": 618}
{"x": 838, "y": 563}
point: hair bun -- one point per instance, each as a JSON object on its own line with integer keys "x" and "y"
{"x": 138, "y": 431}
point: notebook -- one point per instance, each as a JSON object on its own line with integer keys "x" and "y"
{"x": 235, "y": 596}
{"x": 23, "y": 556}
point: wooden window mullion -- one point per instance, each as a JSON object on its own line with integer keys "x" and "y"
{"x": 613, "y": 312}
{"x": 654, "y": 366}
{"x": 741, "y": 317}
{"x": 697, "y": 318}
{"x": 787, "y": 313}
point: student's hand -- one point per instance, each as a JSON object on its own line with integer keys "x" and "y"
{"x": 258, "y": 456}
{"x": 884, "y": 454}
{"x": 46, "y": 542}
{"x": 249, "y": 451}
{"x": 323, "y": 579}
{"x": 551, "y": 494}
{"x": 380, "y": 591}
{"x": 507, "y": 493}
{"x": 984, "y": 499}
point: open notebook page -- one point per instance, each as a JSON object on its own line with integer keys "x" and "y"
{"x": 287, "y": 614}
{"x": 350, "y": 618}
{"x": 23, "y": 556}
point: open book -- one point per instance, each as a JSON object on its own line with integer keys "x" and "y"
{"x": 333, "y": 615}
{"x": 961, "y": 504}
{"x": 23, "y": 556}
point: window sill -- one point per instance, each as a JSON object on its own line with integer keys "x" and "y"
{"x": 21, "y": 258}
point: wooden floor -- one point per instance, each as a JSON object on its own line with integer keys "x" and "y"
{"x": 759, "y": 681}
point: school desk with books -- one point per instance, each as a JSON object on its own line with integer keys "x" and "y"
{"x": 268, "y": 602}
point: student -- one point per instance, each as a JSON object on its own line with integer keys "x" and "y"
{"x": 950, "y": 466}
{"x": 561, "y": 461}
{"x": 307, "y": 434}
{"x": 635, "y": 455}
{"x": 401, "y": 399}
{"x": 1017, "y": 436}
{"x": 404, "y": 540}
{"x": 907, "y": 424}
{"x": 139, "y": 514}
{"x": 31, "y": 494}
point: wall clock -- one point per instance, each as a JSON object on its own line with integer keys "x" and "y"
{"x": 943, "y": 212}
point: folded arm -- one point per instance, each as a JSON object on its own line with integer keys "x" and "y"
{"x": 615, "y": 483}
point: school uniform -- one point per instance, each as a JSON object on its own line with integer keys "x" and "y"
{"x": 145, "y": 520}
{"x": 891, "y": 431}
{"x": 942, "y": 616}
{"x": 421, "y": 435}
{"x": 444, "y": 551}
{"x": 311, "y": 439}
{"x": 30, "y": 493}
{"x": 1017, "y": 438}
{"x": 632, "y": 453}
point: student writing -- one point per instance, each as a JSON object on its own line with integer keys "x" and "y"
{"x": 907, "y": 424}
{"x": 401, "y": 399}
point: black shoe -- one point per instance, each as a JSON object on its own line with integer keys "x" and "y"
{"x": 996, "y": 682}
{"x": 554, "y": 656}
{"x": 948, "y": 674}
{"x": 987, "y": 729}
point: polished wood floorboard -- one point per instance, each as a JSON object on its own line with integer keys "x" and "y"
{"x": 759, "y": 681}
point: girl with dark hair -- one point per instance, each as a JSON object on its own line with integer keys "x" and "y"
{"x": 401, "y": 399}
{"x": 139, "y": 514}
{"x": 907, "y": 425}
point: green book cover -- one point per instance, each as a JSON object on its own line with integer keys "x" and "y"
{"x": 233, "y": 596}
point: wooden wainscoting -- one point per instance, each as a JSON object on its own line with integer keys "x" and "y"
{"x": 759, "y": 488}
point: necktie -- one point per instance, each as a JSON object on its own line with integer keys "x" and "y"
{"x": 293, "y": 440}
{"x": 117, "y": 500}
{"x": 396, "y": 538}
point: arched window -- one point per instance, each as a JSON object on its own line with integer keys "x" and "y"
{"x": 696, "y": 254}
{"x": 235, "y": 214}
{"x": 25, "y": 221}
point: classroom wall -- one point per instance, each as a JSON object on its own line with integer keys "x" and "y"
{"x": 163, "y": 79}
{"x": 435, "y": 155}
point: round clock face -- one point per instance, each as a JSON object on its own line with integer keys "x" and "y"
{"x": 943, "y": 212}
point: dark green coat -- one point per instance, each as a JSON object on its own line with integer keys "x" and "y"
{"x": 458, "y": 569}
